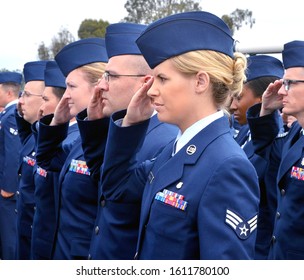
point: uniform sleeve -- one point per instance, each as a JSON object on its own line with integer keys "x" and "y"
{"x": 50, "y": 153}
{"x": 263, "y": 129}
{"x": 93, "y": 136}
{"x": 12, "y": 146}
{"x": 228, "y": 210}
{"x": 122, "y": 176}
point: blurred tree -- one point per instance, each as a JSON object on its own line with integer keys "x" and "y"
{"x": 92, "y": 28}
{"x": 146, "y": 11}
{"x": 63, "y": 38}
{"x": 6, "y": 70}
{"x": 58, "y": 42}
{"x": 236, "y": 19}
{"x": 43, "y": 52}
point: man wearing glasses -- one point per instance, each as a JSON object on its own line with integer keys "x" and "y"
{"x": 116, "y": 226}
{"x": 285, "y": 153}
{"x": 28, "y": 106}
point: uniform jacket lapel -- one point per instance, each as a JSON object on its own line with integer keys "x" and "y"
{"x": 168, "y": 170}
{"x": 242, "y": 135}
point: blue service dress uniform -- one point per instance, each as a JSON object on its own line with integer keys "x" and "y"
{"x": 77, "y": 191}
{"x": 268, "y": 194}
{"x": 116, "y": 226}
{"x": 286, "y": 153}
{"x": 26, "y": 189}
{"x": 201, "y": 203}
{"x": 10, "y": 146}
{"x": 44, "y": 222}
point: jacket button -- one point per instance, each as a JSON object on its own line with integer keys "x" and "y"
{"x": 89, "y": 257}
{"x": 282, "y": 192}
{"x": 278, "y": 215}
{"x": 96, "y": 230}
{"x": 103, "y": 203}
{"x": 17, "y": 192}
{"x": 273, "y": 239}
{"x": 16, "y": 211}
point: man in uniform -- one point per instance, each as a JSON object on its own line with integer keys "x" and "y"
{"x": 28, "y": 106}
{"x": 284, "y": 152}
{"x": 10, "y": 83}
{"x": 116, "y": 225}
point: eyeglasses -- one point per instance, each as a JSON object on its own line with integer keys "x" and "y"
{"x": 28, "y": 94}
{"x": 287, "y": 83}
{"x": 106, "y": 75}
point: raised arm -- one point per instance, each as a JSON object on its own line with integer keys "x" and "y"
{"x": 271, "y": 100}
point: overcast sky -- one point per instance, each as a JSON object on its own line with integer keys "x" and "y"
{"x": 26, "y": 23}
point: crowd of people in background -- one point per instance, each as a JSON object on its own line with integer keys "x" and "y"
{"x": 155, "y": 142}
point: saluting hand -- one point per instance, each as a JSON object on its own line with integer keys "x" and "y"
{"x": 62, "y": 112}
{"x": 140, "y": 107}
{"x": 271, "y": 100}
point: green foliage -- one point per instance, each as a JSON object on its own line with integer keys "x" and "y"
{"x": 236, "y": 19}
{"x": 139, "y": 11}
{"x": 63, "y": 38}
{"x": 147, "y": 11}
{"x": 43, "y": 52}
{"x": 92, "y": 28}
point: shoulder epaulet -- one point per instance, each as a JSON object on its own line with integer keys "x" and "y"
{"x": 282, "y": 134}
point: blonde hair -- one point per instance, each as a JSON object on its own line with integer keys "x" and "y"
{"x": 227, "y": 75}
{"x": 93, "y": 71}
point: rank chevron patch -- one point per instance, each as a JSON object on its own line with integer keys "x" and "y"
{"x": 242, "y": 228}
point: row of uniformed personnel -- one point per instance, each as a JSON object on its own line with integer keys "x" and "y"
{"x": 163, "y": 179}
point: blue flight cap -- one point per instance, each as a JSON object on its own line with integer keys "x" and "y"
{"x": 53, "y": 76}
{"x": 293, "y": 54}
{"x": 180, "y": 33}
{"x": 263, "y": 66}
{"x": 10, "y": 77}
{"x": 81, "y": 52}
{"x": 34, "y": 71}
{"x": 121, "y": 37}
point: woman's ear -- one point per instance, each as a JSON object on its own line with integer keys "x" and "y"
{"x": 202, "y": 81}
